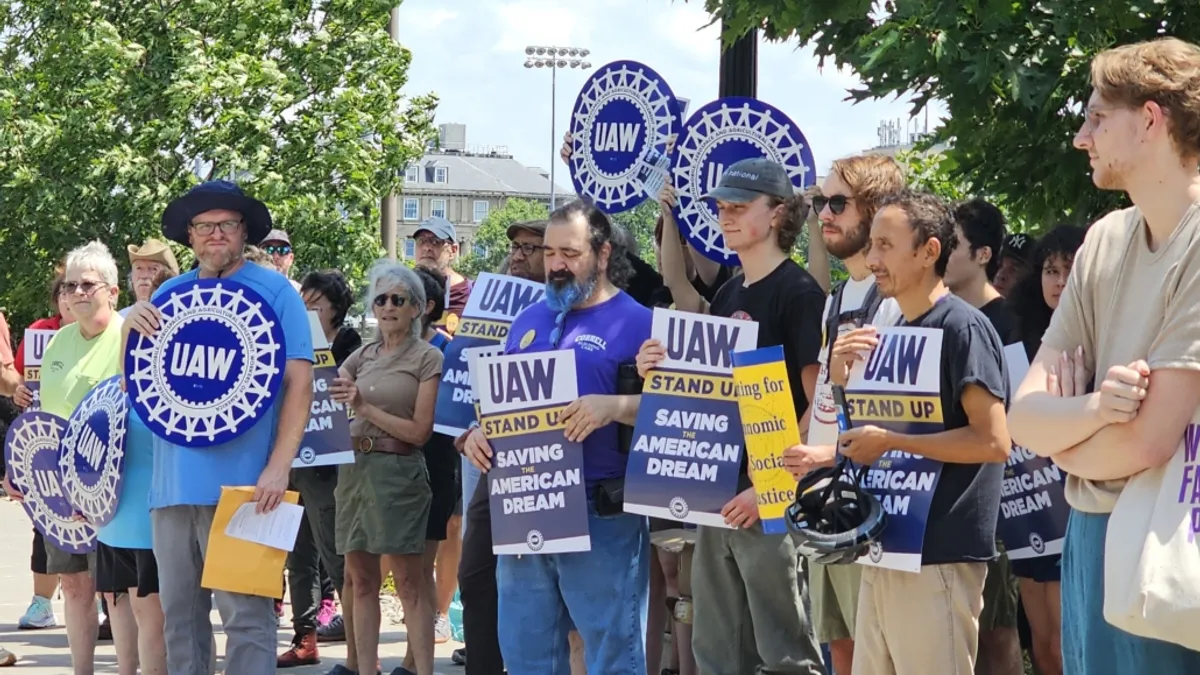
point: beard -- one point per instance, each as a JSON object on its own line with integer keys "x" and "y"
{"x": 565, "y": 291}
{"x": 850, "y": 243}
{"x": 220, "y": 259}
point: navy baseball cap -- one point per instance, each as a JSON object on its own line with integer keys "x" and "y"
{"x": 748, "y": 179}
{"x": 211, "y": 196}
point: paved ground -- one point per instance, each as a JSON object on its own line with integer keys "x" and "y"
{"x": 44, "y": 652}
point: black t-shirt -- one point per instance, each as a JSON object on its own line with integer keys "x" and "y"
{"x": 1003, "y": 320}
{"x": 787, "y": 304}
{"x": 966, "y": 502}
{"x": 662, "y": 294}
{"x": 345, "y": 343}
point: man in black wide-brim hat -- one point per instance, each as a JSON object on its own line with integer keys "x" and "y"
{"x": 217, "y": 220}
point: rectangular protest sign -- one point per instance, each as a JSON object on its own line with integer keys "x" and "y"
{"x": 327, "y": 435}
{"x": 35, "y": 342}
{"x": 495, "y": 301}
{"x": 769, "y": 425}
{"x": 687, "y": 441}
{"x": 535, "y": 487}
{"x": 898, "y": 388}
{"x": 1033, "y": 509}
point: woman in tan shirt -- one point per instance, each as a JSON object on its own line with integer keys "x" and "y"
{"x": 383, "y": 498}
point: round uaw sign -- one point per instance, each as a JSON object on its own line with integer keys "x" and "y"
{"x": 214, "y": 367}
{"x": 31, "y": 454}
{"x": 92, "y": 458}
{"x": 620, "y": 126}
{"x": 716, "y": 136}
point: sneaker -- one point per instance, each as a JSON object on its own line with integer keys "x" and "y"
{"x": 459, "y": 657}
{"x": 326, "y": 613}
{"x": 7, "y": 658}
{"x": 401, "y": 670}
{"x": 441, "y": 629}
{"x": 334, "y": 631}
{"x": 39, "y": 615}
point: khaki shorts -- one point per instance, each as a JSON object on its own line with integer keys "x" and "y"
{"x": 999, "y": 595}
{"x": 834, "y": 593}
{"x": 383, "y": 503}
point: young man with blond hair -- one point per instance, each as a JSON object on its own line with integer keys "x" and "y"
{"x": 1127, "y": 325}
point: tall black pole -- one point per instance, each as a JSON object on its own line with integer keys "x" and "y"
{"x": 739, "y": 66}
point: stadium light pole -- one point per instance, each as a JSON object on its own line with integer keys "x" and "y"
{"x": 555, "y": 58}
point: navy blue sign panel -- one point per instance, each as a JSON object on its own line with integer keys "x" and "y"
{"x": 715, "y": 137}
{"x": 214, "y": 367}
{"x": 92, "y": 457}
{"x": 31, "y": 458}
{"x": 620, "y": 126}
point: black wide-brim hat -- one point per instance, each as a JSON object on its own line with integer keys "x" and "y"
{"x": 216, "y": 195}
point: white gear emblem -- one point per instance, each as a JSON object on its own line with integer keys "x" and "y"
{"x": 716, "y": 136}
{"x": 33, "y": 434}
{"x": 678, "y": 507}
{"x": 95, "y": 493}
{"x": 535, "y": 540}
{"x": 227, "y": 312}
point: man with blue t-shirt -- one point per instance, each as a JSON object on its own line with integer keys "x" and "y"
{"x": 602, "y": 592}
{"x": 217, "y": 220}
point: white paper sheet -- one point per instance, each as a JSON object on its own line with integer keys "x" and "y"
{"x": 277, "y": 529}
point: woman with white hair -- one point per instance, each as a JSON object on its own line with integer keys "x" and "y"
{"x": 89, "y": 352}
{"x": 383, "y": 498}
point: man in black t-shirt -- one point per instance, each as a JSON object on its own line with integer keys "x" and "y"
{"x": 918, "y": 622}
{"x": 980, "y": 229}
{"x": 742, "y": 573}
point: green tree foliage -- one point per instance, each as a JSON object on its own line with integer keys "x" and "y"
{"x": 639, "y": 221}
{"x": 110, "y": 108}
{"x": 935, "y": 172}
{"x": 492, "y": 236}
{"x": 1013, "y": 75}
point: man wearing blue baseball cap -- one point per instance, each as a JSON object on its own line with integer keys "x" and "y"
{"x": 217, "y": 220}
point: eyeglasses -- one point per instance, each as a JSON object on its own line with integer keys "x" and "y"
{"x": 527, "y": 249}
{"x": 278, "y": 250}
{"x": 837, "y": 203}
{"x": 227, "y": 226}
{"x": 433, "y": 242}
{"x": 398, "y": 300}
{"x": 87, "y": 287}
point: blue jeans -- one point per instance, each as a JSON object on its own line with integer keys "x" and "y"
{"x": 1090, "y": 645}
{"x": 602, "y": 593}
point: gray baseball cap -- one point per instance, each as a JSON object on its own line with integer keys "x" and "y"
{"x": 748, "y": 179}
{"x": 438, "y": 227}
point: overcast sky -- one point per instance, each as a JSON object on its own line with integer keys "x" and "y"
{"x": 472, "y": 54}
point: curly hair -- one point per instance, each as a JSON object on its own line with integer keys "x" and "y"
{"x": 1028, "y": 302}
{"x": 791, "y": 222}
{"x": 600, "y": 232}
{"x": 930, "y": 218}
{"x": 332, "y": 285}
{"x": 870, "y": 177}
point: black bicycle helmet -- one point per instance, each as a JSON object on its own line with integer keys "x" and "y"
{"x": 834, "y": 520}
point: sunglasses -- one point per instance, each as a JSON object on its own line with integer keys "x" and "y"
{"x": 278, "y": 250}
{"x": 398, "y": 300}
{"x": 837, "y": 204}
{"x": 87, "y": 287}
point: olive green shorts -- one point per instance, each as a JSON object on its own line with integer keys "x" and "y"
{"x": 834, "y": 594}
{"x": 382, "y": 504}
{"x": 999, "y": 595}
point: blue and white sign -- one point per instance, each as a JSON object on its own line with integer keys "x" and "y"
{"x": 35, "y": 343}
{"x": 31, "y": 455}
{"x": 622, "y": 121}
{"x": 92, "y": 457}
{"x": 327, "y": 435}
{"x": 716, "y": 136}
{"x": 214, "y": 367}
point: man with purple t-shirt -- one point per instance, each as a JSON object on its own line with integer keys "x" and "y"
{"x": 602, "y": 591}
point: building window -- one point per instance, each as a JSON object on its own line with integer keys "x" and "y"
{"x": 439, "y": 174}
{"x": 481, "y": 250}
{"x": 437, "y": 208}
{"x": 412, "y": 208}
{"x": 481, "y": 210}
{"x": 412, "y": 174}
{"x": 410, "y": 248}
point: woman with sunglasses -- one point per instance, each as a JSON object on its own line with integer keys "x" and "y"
{"x": 383, "y": 498}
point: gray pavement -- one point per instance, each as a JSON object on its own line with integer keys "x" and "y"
{"x": 44, "y": 652}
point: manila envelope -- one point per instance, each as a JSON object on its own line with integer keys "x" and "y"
{"x": 237, "y": 565}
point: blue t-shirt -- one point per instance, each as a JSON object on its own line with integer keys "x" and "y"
{"x": 130, "y": 526}
{"x": 603, "y": 336}
{"x": 194, "y": 476}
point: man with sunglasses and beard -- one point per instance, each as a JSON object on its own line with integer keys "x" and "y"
{"x": 602, "y": 591}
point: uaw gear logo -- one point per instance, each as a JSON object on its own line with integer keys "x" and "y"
{"x": 1036, "y": 543}
{"x": 308, "y": 455}
{"x": 620, "y": 127}
{"x": 31, "y": 450}
{"x": 214, "y": 367}
{"x": 534, "y": 540}
{"x": 876, "y": 552}
{"x": 678, "y": 507}
{"x": 714, "y": 138}
{"x": 92, "y": 458}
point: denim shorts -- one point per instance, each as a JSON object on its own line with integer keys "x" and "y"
{"x": 1090, "y": 645}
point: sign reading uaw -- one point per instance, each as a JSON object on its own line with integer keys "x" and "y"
{"x": 31, "y": 464}
{"x": 213, "y": 368}
{"x": 92, "y": 458}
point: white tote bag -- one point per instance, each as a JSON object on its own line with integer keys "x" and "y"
{"x": 1152, "y": 554}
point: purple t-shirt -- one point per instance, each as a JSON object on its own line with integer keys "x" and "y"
{"x": 604, "y": 337}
